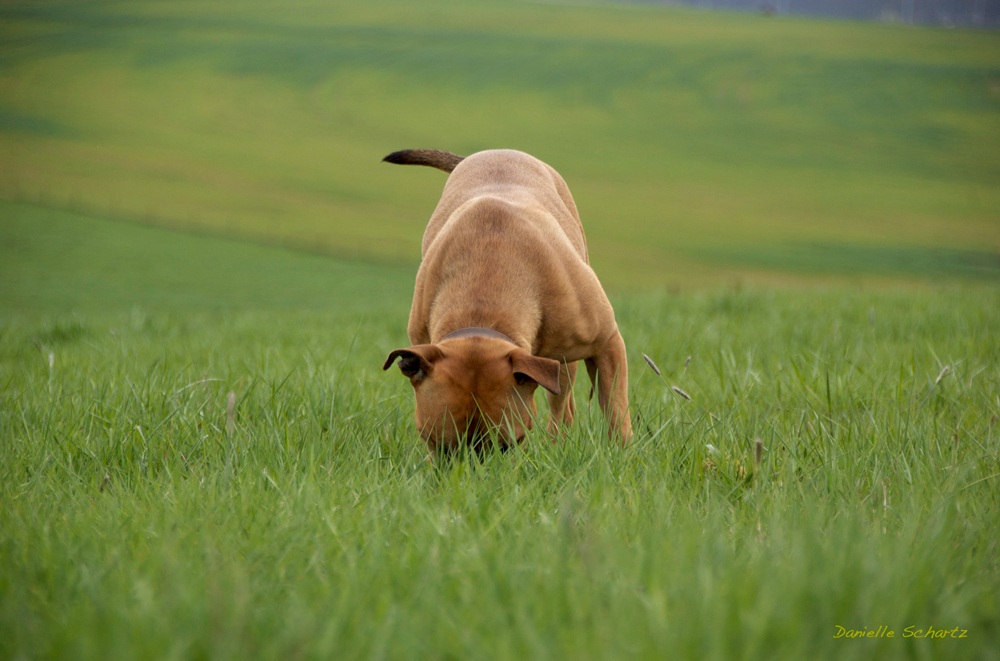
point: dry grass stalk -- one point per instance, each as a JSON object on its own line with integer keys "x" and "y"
{"x": 649, "y": 361}
{"x": 944, "y": 372}
{"x": 681, "y": 393}
{"x": 740, "y": 471}
{"x": 708, "y": 463}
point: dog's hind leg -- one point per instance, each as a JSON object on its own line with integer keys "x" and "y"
{"x": 562, "y": 407}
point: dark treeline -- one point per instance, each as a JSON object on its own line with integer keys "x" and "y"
{"x": 959, "y": 13}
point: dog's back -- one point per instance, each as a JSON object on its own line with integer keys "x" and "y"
{"x": 510, "y": 175}
{"x": 505, "y": 246}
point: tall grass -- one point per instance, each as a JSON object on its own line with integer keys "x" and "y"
{"x": 133, "y": 525}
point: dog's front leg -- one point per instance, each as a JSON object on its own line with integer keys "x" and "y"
{"x": 609, "y": 368}
{"x": 561, "y": 406}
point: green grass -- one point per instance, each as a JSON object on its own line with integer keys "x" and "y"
{"x": 51, "y": 260}
{"x": 688, "y": 137}
{"x": 133, "y": 525}
{"x": 703, "y": 149}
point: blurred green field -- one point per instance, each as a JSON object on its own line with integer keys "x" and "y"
{"x": 701, "y": 147}
{"x": 55, "y": 262}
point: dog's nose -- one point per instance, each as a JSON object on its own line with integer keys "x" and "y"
{"x": 476, "y": 433}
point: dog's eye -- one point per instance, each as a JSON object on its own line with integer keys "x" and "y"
{"x": 521, "y": 379}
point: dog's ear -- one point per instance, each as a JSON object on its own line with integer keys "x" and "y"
{"x": 415, "y": 362}
{"x": 544, "y": 371}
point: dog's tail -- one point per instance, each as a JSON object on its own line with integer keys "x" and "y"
{"x": 435, "y": 158}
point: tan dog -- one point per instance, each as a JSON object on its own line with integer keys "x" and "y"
{"x": 505, "y": 301}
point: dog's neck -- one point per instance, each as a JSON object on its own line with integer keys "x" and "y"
{"x": 476, "y": 331}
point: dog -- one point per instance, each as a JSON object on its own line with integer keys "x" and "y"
{"x": 505, "y": 301}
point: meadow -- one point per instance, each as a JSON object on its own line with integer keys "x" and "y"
{"x": 203, "y": 267}
{"x": 141, "y": 519}
{"x": 701, "y": 147}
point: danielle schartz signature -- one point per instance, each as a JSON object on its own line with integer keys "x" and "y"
{"x": 909, "y": 632}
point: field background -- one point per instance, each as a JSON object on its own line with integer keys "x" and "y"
{"x": 701, "y": 147}
{"x": 798, "y": 222}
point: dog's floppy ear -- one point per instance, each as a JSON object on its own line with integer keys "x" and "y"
{"x": 544, "y": 371}
{"x": 415, "y": 362}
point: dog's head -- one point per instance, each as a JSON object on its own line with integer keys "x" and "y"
{"x": 467, "y": 387}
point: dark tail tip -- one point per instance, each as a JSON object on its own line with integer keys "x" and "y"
{"x": 435, "y": 158}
